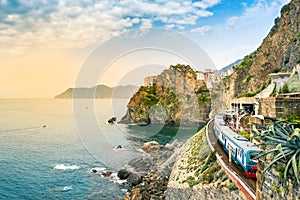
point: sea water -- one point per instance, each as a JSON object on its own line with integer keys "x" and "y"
{"x": 42, "y": 155}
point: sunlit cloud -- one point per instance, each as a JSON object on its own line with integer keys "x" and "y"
{"x": 79, "y": 24}
{"x": 206, "y": 3}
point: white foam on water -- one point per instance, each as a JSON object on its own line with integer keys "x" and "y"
{"x": 67, "y": 188}
{"x": 114, "y": 178}
{"x": 66, "y": 167}
{"x": 141, "y": 150}
{"x": 98, "y": 169}
{"x": 124, "y": 190}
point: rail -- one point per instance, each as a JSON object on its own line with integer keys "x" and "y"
{"x": 234, "y": 172}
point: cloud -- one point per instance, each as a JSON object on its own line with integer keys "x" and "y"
{"x": 146, "y": 23}
{"x": 79, "y": 24}
{"x": 202, "y": 30}
{"x": 135, "y": 20}
{"x": 206, "y": 3}
{"x": 232, "y": 22}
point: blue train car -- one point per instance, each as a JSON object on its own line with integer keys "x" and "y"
{"x": 242, "y": 150}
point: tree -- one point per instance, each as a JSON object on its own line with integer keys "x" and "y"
{"x": 284, "y": 89}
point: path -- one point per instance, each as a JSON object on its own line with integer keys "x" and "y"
{"x": 266, "y": 92}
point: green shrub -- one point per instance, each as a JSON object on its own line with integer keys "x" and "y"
{"x": 245, "y": 134}
{"x": 232, "y": 187}
{"x": 252, "y": 94}
{"x": 249, "y": 78}
{"x": 292, "y": 118}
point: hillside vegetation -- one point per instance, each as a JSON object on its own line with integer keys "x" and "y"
{"x": 279, "y": 52}
{"x": 175, "y": 97}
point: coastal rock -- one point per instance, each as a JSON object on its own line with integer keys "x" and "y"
{"x": 152, "y": 187}
{"x": 141, "y": 164}
{"x": 134, "y": 179}
{"x": 154, "y": 169}
{"x": 123, "y": 174}
{"x": 119, "y": 147}
{"x": 112, "y": 120}
{"x": 175, "y": 97}
{"x": 106, "y": 174}
{"x": 151, "y": 146}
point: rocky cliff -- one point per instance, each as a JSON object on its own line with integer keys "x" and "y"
{"x": 279, "y": 52}
{"x": 175, "y": 97}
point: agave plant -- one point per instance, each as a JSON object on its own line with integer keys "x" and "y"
{"x": 286, "y": 140}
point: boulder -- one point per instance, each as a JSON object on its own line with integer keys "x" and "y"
{"x": 106, "y": 174}
{"x": 151, "y": 146}
{"x": 134, "y": 179}
{"x": 112, "y": 120}
{"x": 123, "y": 174}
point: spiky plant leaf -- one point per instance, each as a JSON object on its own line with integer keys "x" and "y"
{"x": 265, "y": 153}
{"x": 294, "y": 165}
{"x": 296, "y": 133}
{"x": 281, "y": 132}
{"x": 299, "y": 163}
{"x": 275, "y": 159}
{"x": 287, "y": 141}
{"x": 279, "y": 148}
{"x": 286, "y": 169}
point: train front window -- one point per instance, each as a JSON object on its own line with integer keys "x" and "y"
{"x": 252, "y": 156}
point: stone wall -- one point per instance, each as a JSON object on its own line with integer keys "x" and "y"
{"x": 289, "y": 106}
{"x": 267, "y": 107}
{"x": 270, "y": 185}
{"x": 279, "y": 106}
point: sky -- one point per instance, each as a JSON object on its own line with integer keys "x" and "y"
{"x": 45, "y": 43}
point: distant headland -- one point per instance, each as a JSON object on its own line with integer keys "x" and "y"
{"x": 98, "y": 92}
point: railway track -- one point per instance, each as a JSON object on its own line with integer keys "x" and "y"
{"x": 238, "y": 170}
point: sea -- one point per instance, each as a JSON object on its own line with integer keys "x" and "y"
{"x": 49, "y": 147}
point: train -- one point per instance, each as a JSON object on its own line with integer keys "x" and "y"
{"x": 243, "y": 152}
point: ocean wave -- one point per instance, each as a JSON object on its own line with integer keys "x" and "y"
{"x": 97, "y": 169}
{"x": 66, "y": 167}
{"x": 67, "y": 188}
{"x": 114, "y": 178}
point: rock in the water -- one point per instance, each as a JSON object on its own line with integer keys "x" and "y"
{"x": 151, "y": 146}
{"x": 134, "y": 179}
{"x": 106, "y": 174}
{"x": 119, "y": 147}
{"x": 123, "y": 174}
{"x": 112, "y": 120}
{"x": 94, "y": 170}
{"x": 155, "y": 169}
